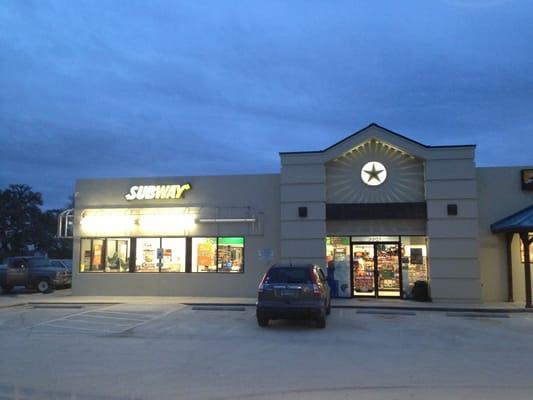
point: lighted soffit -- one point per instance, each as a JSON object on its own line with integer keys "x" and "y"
{"x": 371, "y": 146}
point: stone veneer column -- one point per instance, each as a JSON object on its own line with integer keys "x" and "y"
{"x": 450, "y": 179}
{"x": 303, "y": 184}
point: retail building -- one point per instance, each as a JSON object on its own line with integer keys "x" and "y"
{"x": 381, "y": 210}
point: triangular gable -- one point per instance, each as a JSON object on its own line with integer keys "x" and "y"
{"x": 377, "y": 133}
{"x": 380, "y": 134}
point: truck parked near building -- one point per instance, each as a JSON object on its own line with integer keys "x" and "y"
{"x": 37, "y": 273}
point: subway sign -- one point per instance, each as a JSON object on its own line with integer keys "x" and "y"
{"x": 157, "y": 192}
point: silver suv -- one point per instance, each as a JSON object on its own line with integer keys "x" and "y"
{"x": 293, "y": 292}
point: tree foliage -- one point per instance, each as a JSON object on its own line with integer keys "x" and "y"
{"x": 25, "y": 228}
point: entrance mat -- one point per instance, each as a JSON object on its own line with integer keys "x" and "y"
{"x": 386, "y": 312}
{"x": 477, "y": 315}
{"x": 217, "y": 308}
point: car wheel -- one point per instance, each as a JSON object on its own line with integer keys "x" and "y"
{"x": 6, "y": 289}
{"x": 328, "y": 308}
{"x": 262, "y": 320}
{"x": 43, "y": 286}
{"x": 321, "y": 322}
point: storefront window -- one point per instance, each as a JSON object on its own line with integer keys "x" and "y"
{"x": 160, "y": 255}
{"x": 230, "y": 254}
{"x": 146, "y": 255}
{"x": 338, "y": 261}
{"x": 204, "y": 253}
{"x": 92, "y": 255}
{"x": 173, "y": 254}
{"x": 117, "y": 255}
{"x": 163, "y": 254}
{"x": 414, "y": 262}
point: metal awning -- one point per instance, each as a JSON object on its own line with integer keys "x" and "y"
{"x": 521, "y": 221}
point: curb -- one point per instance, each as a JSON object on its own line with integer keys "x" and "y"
{"x": 437, "y": 308}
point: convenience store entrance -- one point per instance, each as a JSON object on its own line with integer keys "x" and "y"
{"x": 376, "y": 269}
{"x": 376, "y": 266}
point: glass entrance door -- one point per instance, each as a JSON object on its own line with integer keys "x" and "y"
{"x": 388, "y": 267}
{"x": 364, "y": 282}
{"x": 376, "y": 269}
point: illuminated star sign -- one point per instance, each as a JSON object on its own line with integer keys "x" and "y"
{"x": 373, "y": 173}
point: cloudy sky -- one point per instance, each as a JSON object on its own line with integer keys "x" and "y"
{"x": 155, "y": 88}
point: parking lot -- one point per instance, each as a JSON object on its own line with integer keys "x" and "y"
{"x": 170, "y": 351}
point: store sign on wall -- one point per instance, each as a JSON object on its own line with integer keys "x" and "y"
{"x": 157, "y": 192}
{"x": 373, "y": 173}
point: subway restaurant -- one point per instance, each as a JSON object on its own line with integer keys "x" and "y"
{"x": 378, "y": 211}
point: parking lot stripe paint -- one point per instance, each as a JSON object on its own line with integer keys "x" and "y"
{"x": 115, "y": 318}
{"x": 384, "y": 312}
{"x": 219, "y": 308}
{"x": 61, "y": 318}
{"x": 75, "y": 328}
{"x": 477, "y": 315}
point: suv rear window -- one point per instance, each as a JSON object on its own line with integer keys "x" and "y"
{"x": 289, "y": 275}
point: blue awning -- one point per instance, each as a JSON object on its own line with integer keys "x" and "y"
{"x": 522, "y": 221}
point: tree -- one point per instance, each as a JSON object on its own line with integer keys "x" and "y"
{"x": 19, "y": 218}
{"x": 25, "y": 228}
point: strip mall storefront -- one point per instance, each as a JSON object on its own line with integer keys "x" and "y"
{"x": 376, "y": 209}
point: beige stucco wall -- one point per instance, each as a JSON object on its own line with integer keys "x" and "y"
{"x": 416, "y": 173}
{"x": 500, "y": 195}
{"x": 303, "y": 184}
{"x": 235, "y": 196}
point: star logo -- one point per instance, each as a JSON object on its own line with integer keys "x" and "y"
{"x": 373, "y": 173}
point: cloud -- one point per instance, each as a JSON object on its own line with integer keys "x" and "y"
{"x": 98, "y": 89}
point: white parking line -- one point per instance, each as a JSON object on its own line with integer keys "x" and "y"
{"x": 59, "y": 319}
{"x": 75, "y": 328}
{"x": 110, "y": 318}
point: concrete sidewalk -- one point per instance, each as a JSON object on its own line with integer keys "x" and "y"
{"x": 64, "y": 297}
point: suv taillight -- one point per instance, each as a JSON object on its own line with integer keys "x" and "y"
{"x": 261, "y": 285}
{"x": 316, "y": 288}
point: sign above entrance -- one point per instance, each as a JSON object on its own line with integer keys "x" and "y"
{"x": 373, "y": 173}
{"x": 157, "y": 192}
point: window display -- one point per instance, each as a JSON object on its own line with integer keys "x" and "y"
{"x": 92, "y": 255}
{"x": 173, "y": 254}
{"x": 230, "y": 254}
{"x": 414, "y": 262}
{"x": 160, "y": 255}
{"x": 338, "y": 260}
{"x": 388, "y": 264}
{"x": 363, "y": 270}
{"x": 163, "y": 254}
{"x": 117, "y": 255}
{"x": 204, "y": 253}
{"x": 146, "y": 255}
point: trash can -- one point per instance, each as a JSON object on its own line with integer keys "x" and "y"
{"x": 421, "y": 291}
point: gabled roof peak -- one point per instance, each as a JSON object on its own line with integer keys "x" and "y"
{"x": 365, "y": 129}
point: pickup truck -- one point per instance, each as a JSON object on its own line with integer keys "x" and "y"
{"x": 33, "y": 273}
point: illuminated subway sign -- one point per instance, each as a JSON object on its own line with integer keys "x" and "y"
{"x": 157, "y": 192}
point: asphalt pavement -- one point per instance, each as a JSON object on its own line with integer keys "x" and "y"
{"x": 170, "y": 350}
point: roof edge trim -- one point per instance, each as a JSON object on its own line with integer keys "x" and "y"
{"x": 373, "y": 124}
